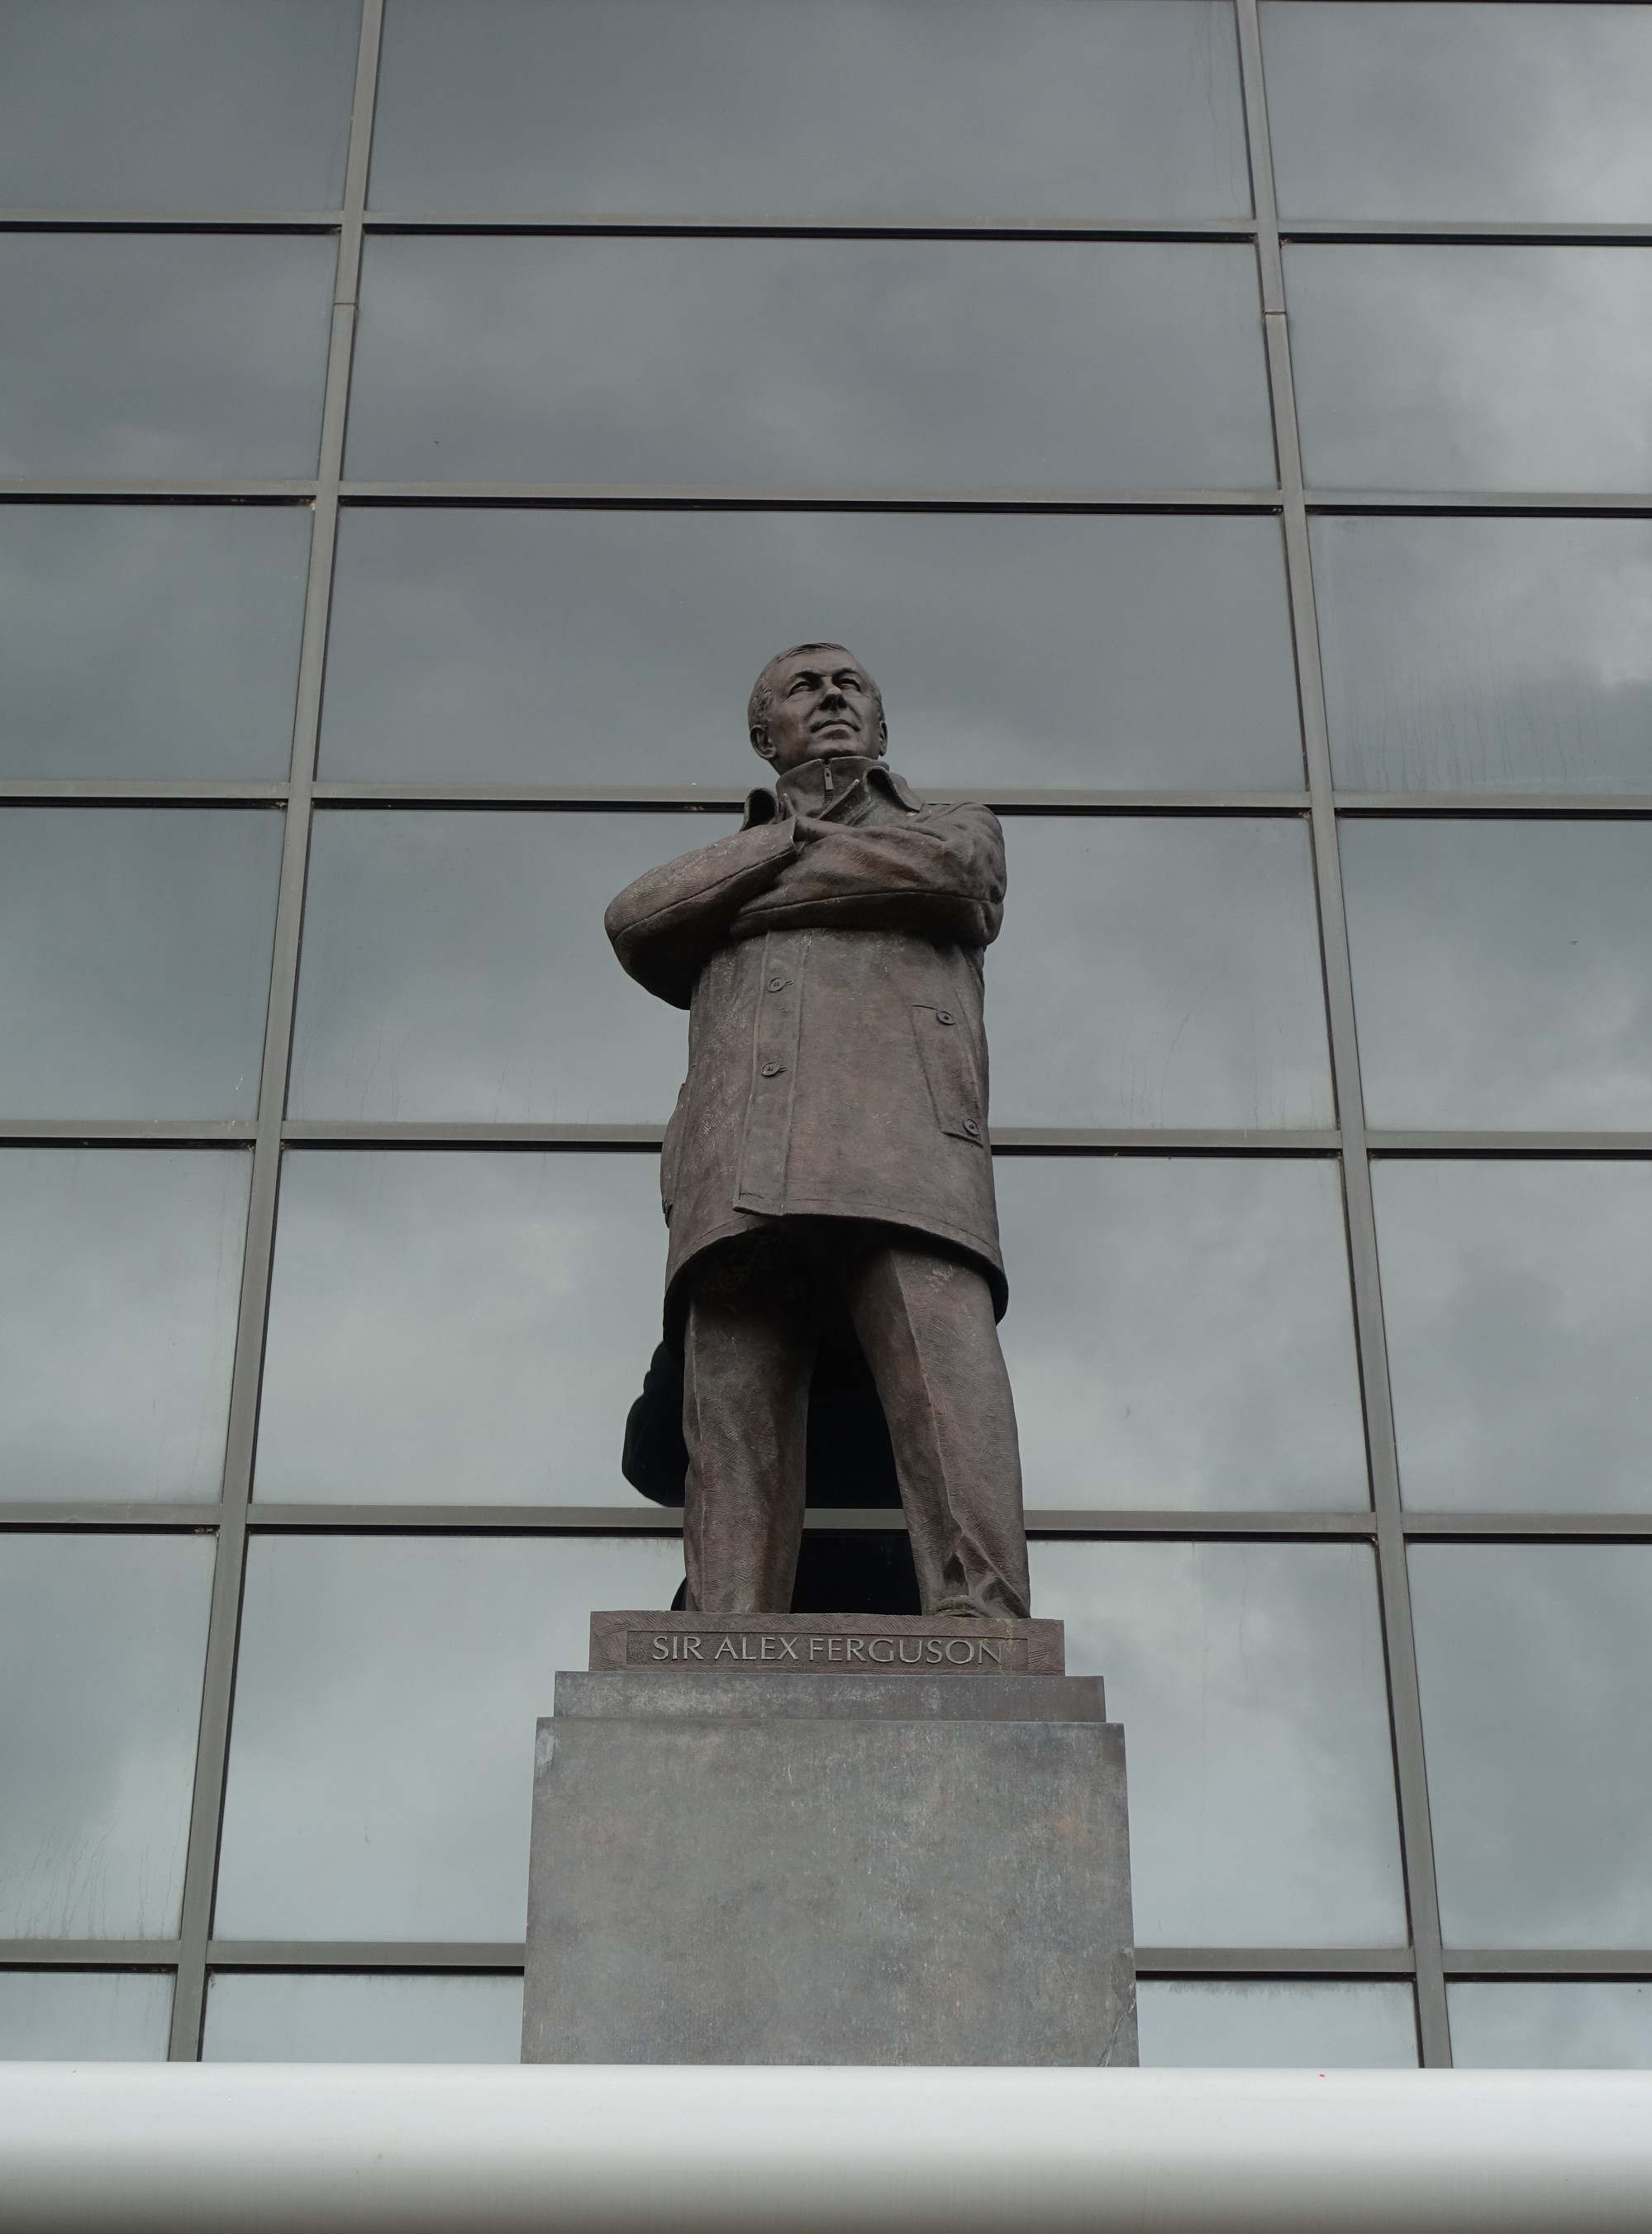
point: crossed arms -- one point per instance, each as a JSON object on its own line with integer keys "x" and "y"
{"x": 938, "y": 873}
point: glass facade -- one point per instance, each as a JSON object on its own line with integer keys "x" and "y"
{"x": 1220, "y": 425}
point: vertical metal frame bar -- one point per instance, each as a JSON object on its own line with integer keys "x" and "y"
{"x": 218, "y": 1694}
{"x": 1405, "y": 1704}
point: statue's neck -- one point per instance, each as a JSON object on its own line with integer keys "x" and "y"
{"x": 818, "y": 786}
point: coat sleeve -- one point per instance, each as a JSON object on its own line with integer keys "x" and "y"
{"x": 939, "y": 874}
{"x": 666, "y": 926}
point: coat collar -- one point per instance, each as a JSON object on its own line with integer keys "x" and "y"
{"x": 799, "y": 790}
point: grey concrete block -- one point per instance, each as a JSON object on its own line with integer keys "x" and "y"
{"x": 683, "y": 1692}
{"x": 930, "y": 1887}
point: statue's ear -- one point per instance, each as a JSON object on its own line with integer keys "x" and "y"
{"x": 760, "y": 745}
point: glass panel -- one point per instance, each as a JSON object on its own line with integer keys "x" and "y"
{"x": 1487, "y": 655}
{"x": 469, "y": 1329}
{"x": 1158, "y": 972}
{"x": 150, "y": 640}
{"x": 1268, "y": 2024}
{"x": 139, "y": 960}
{"x": 1179, "y": 1332}
{"x": 1249, "y": 1678}
{"x": 1570, "y": 2025}
{"x": 1426, "y": 110}
{"x": 1470, "y": 367}
{"x": 1517, "y": 1299}
{"x": 175, "y": 104}
{"x": 281, "y": 2017}
{"x": 1500, "y": 971}
{"x": 85, "y": 2016}
{"x": 973, "y": 109}
{"x": 120, "y": 1281}
{"x": 455, "y": 966}
{"x": 604, "y": 647}
{"x": 162, "y": 356}
{"x": 1031, "y": 364}
{"x": 1535, "y": 1664}
{"x": 382, "y": 1765}
{"x": 102, "y": 1644}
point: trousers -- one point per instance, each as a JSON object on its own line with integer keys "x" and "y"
{"x": 925, "y": 1323}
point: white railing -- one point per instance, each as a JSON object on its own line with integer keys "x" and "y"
{"x": 581, "y": 2149}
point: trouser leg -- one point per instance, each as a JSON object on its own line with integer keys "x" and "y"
{"x": 749, "y": 1349}
{"x": 925, "y": 1324}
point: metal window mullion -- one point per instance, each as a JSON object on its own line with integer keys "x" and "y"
{"x": 218, "y": 1687}
{"x": 1393, "y": 1584}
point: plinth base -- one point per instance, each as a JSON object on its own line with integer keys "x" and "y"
{"x": 767, "y": 1865}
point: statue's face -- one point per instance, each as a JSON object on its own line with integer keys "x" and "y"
{"x": 821, "y": 704}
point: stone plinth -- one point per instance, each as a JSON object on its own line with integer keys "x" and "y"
{"x": 764, "y": 1859}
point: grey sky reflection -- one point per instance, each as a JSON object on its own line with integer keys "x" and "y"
{"x": 1179, "y": 1332}
{"x": 1572, "y": 2024}
{"x": 103, "y": 1643}
{"x": 1517, "y": 1301}
{"x": 699, "y": 361}
{"x": 1249, "y": 1678}
{"x": 1035, "y": 108}
{"x": 382, "y": 1763}
{"x": 462, "y": 1326}
{"x": 268, "y": 2017}
{"x": 1488, "y": 655}
{"x": 1330, "y": 2025}
{"x": 1535, "y": 1662}
{"x": 160, "y": 356}
{"x": 1453, "y": 367}
{"x": 152, "y": 640}
{"x": 176, "y": 104}
{"x": 120, "y": 1283}
{"x": 139, "y": 959}
{"x": 84, "y": 2016}
{"x": 454, "y": 966}
{"x": 1502, "y": 972}
{"x": 1433, "y": 108}
{"x": 1158, "y": 972}
{"x": 593, "y": 647}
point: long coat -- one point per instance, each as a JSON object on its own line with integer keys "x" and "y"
{"x": 829, "y": 953}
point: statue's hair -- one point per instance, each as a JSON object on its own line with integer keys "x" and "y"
{"x": 762, "y": 695}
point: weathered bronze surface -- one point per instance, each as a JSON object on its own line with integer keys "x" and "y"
{"x": 828, "y": 1157}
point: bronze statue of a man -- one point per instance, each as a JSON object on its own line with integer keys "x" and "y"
{"x": 829, "y": 1151}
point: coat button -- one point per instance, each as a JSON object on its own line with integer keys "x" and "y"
{"x": 972, "y": 1128}
{"x": 777, "y": 984}
{"x": 773, "y": 1069}
{"x": 944, "y": 1016}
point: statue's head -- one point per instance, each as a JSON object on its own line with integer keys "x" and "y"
{"x": 812, "y": 703}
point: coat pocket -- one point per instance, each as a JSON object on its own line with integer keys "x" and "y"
{"x": 950, "y": 1072}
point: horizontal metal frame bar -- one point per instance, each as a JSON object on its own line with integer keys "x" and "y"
{"x": 1156, "y": 1962}
{"x": 313, "y": 1957}
{"x": 620, "y": 496}
{"x": 1582, "y": 1146}
{"x": 53, "y": 488}
{"x": 726, "y": 224}
{"x": 1464, "y": 232}
{"x": 1007, "y": 1140}
{"x": 734, "y": 225}
{"x": 729, "y": 798}
{"x": 477, "y": 1954}
{"x": 88, "y": 1954}
{"x": 1498, "y": 805}
{"x": 1050, "y": 1524}
{"x": 740, "y": 496}
{"x": 126, "y": 1132}
{"x": 700, "y": 798}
